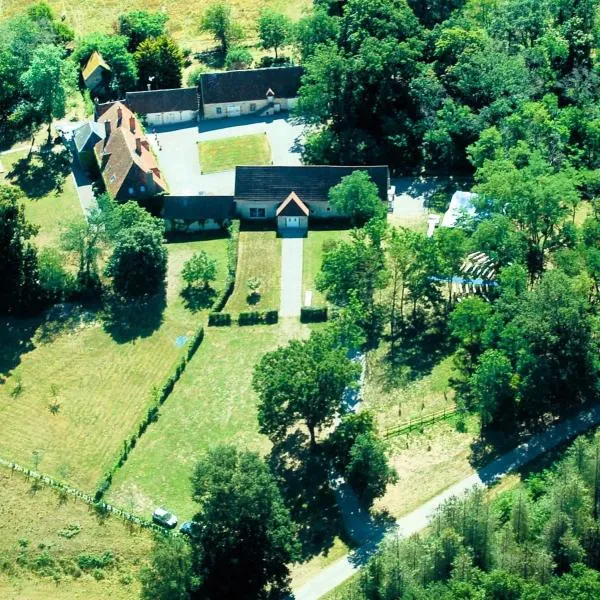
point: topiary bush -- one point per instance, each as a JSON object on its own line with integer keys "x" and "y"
{"x": 219, "y": 319}
{"x": 313, "y": 314}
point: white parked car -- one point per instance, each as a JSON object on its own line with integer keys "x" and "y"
{"x": 163, "y": 517}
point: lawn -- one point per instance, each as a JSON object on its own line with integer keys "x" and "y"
{"x": 313, "y": 257}
{"x": 259, "y": 256}
{"x": 96, "y": 379}
{"x": 212, "y": 403}
{"x": 184, "y": 17}
{"x": 34, "y": 517}
{"x": 227, "y": 153}
{"x": 51, "y": 198}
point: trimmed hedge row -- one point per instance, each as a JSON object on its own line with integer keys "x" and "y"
{"x": 257, "y": 317}
{"x": 159, "y": 396}
{"x": 313, "y": 314}
{"x": 232, "y": 259}
{"x": 100, "y": 507}
{"x": 216, "y": 319}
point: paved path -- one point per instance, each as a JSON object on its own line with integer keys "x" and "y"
{"x": 291, "y": 276}
{"x": 341, "y": 570}
{"x": 83, "y": 185}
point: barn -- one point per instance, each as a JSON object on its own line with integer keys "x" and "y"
{"x": 165, "y": 107}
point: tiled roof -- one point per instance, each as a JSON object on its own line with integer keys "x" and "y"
{"x": 250, "y": 84}
{"x": 120, "y": 150}
{"x": 310, "y": 183}
{"x": 160, "y": 101}
{"x": 196, "y": 208}
{"x": 292, "y": 206}
{"x": 94, "y": 61}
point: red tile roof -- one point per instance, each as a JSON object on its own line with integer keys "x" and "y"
{"x": 125, "y": 151}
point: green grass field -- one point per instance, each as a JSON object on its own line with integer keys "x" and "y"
{"x": 227, "y": 153}
{"x": 90, "y": 17}
{"x": 259, "y": 256}
{"x": 35, "y": 516}
{"x": 45, "y": 207}
{"x": 213, "y": 403}
{"x": 100, "y": 381}
{"x": 313, "y": 257}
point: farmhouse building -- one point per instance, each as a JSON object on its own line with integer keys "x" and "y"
{"x": 251, "y": 91}
{"x": 96, "y": 73}
{"x": 127, "y": 165}
{"x": 165, "y": 107}
{"x": 288, "y": 196}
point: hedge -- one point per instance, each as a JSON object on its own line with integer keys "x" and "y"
{"x": 216, "y": 319}
{"x": 256, "y": 317}
{"x": 313, "y": 314}
{"x": 159, "y": 396}
{"x": 232, "y": 259}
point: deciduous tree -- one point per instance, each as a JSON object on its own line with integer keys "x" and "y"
{"x": 218, "y": 19}
{"x": 273, "y": 30}
{"x": 139, "y": 25}
{"x": 159, "y": 62}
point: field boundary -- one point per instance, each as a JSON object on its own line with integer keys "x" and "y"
{"x": 101, "y": 507}
{"x": 428, "y": 419}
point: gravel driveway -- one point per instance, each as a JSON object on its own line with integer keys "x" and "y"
{"x": 177, "y": 150}
{"x": 291, "y": 276}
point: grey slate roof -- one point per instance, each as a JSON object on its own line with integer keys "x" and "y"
{"x": 160, "y": 101}
{"x": 88, "y": 135}
{"x": 311, "y": 183}
{"x": 250, "y": 84}
{"x": 195, "y": 208}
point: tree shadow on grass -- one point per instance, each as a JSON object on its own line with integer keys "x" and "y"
{"x": 420, "y": 345}
{"x": 195, "y": 299}
{"x": 42, "y": 172}
{"x": 302, "y": 476}
{"x": 63, "y": 318}
{"x": 126, "y": 320}
{"x": 16, "y": 338}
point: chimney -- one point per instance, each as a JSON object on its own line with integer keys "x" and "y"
{"x": 106, "y": 129}
{"x": 132, "y": 123}
{"x": 119, "y": 116}
{"x": 149, "y": 87}
{"x": 149, "y": 182}
{"x": 138, "y": 145}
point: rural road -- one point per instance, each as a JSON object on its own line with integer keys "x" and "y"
{"x": 341, "y": 570}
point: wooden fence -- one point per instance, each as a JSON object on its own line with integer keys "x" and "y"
{"x": 418, "y": 422}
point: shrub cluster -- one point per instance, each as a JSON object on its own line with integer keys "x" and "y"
{"x": 232, "y": 258}
{"x": 216, "y": 319}
{"x": 257, "y": 317}
{"x": 159, "y": 397}
{"x": 313, "y": 314}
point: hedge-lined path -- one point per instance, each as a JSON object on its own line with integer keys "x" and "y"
{"x": 292, "y": 249}
{"x": 334, "y": 575}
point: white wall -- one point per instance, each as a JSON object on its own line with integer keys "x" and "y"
{"x": 168, "y": 118}
{"x": 210, "y": 110}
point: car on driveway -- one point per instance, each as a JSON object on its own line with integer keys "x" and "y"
{"x": 163, "y": 517}
{"x": 189, "y": 528}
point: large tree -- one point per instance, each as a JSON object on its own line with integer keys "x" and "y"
{"x": 139, "y": 25}
{"x": 138, "y": 263}
{"x": 245, "y": 537}
{"x": 218, "y": 19}
{"x": 49, "y": 80}
{"x": 357, "y": 198}
{"x": 19, "y": 291}
{"x": 159, "y": 62}
{"x": 303, "y": 381}
{"x": 273, "y": 30}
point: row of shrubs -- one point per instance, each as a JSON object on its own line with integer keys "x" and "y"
{"x": 232, "y": 259}
{"x": 101, "y": 507}
{"x": 313, "y": 314}
{"x": 159, "y": 396}
{"x": 255, "y": 317}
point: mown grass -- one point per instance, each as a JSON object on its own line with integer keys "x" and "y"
{"x": 51, "y": 198}
{"x": 31, "y": 519}
{"x": 259, "y": 256}
{"x": 313, "y": 258}
{"x": 213, "y": 403}
{"x": 98, "y": 382}
{"x": 227, "y": 153}
{"x": 184, "y": 17}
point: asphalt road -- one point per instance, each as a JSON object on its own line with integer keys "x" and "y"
{"x": 341, "y": 570}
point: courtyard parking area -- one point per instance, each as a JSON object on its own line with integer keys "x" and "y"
{"x": 177, "y": 150}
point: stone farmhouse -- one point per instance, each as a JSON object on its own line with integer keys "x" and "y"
{"x": 127, "y": 164}
{"x": 285, "y": 196}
